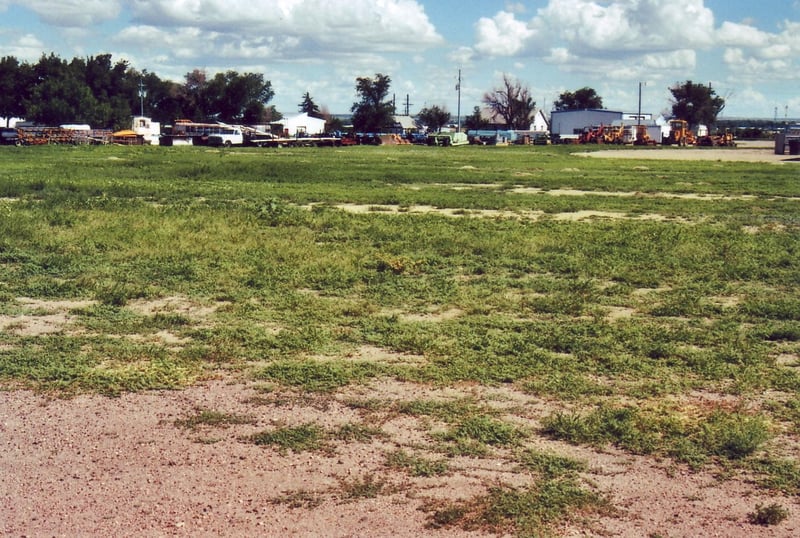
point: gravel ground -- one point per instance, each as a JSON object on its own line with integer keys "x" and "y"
{"x": 98, "y": 466}
{"x": 745, "y": 151}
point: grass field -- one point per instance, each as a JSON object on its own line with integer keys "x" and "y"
{"x": 615, "y": 291}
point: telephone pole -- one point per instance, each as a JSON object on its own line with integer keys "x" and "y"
{"x": 458, "y": 89}
{"x": 639, "y": 114}
{"x": 141, "y": 97}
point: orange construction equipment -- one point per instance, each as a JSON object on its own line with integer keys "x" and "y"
{"x": 601, "y": 134}
{"x": 643, "y": 137}
{"x": 719, "y": 139}
{"x": 680, "y": 134}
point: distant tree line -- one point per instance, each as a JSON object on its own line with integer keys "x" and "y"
{"x": 102, "y": 93}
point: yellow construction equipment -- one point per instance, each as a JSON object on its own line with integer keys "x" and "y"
{"x": 719, "y": 139}
{"x": 680, "y": 134}
{"x": 643, "y": 137}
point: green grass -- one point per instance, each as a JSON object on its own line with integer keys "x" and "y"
{"x": 416, "y": 465}
{"x": 197, "y": 262}
{"x": 367, "y": 487}
{"x": 531, "y": 511}
{"x": 728, "y": 435}
{"x": 305, "y": 437}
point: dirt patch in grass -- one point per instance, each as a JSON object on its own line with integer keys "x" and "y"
{"x": 494, "y": 213}
{"x": 40, "y": 317}
{"x": 173, "y": 305}
{"x": 127, "y": 466}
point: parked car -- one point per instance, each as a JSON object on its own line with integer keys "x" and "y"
{"x": 9, "y": 137}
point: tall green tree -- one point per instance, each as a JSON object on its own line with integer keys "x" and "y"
{"x": 161, "y": 99}
{"x": 308, "y": 106}
{"x": 194, "y": 99}
{"x": 579, "y": 100}
{"x": 373, "y": 112}
{"x": 235, "y": 97}
{"x": 113, "y": 85}
{"x": 696, "y": 103}
{"x": 512, "y": 102}
{"x": 434, "y": 117}
{"x": 230, "y": 97}
{"x": 14, "y": 80}
{"x": 59, "y": 94}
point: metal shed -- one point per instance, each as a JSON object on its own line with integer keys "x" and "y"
{"x": 565, "y": 124}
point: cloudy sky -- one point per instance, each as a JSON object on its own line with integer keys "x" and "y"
{"x": 748, "y": 50}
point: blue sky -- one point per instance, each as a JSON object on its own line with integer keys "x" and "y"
{"x": 749, "y": 51}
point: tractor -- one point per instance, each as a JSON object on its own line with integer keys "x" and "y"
{"x": 680, "y": 134}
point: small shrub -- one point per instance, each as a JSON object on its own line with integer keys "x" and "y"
{"x": 487, "y": 430}
{"x": 551, "y": 465}
{"x": 116, "y": 294}
{"x": 768, "y": 515}
{"x": 416, "y": 465}
{"x": 733, "y": 435}
{"x": 531, "y": 511}
{"x": 275, "y": 212}
{"x": 357, "y": 432}
{"x": 368, "y": 487}
{"x": 298, "y": 439}
{"x": 449, "y": 411}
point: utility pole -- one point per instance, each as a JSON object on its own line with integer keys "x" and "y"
{"x": 141, "y": 97}
{"x": 458, "y": 89}
{"x": 639, "y": 114}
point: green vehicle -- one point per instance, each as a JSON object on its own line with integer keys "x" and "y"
{"x": 448, "y": 139}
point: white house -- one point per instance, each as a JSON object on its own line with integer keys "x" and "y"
{"x": 539, "y": 123}
{"x": 150, "y": 130}
{"x": 303, "y": 124}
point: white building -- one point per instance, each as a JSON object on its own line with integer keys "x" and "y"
{"x": 539, "y": 123}
{"x": 148, "y": 129}
{"x": 566, "y": 124}
{"x": 10, "y": 122}
{"x": 303, "y": 124}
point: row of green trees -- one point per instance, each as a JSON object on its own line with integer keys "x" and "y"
{"x": 103, "y": 93}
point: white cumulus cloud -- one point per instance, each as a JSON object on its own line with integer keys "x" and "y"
{"x": 73, "y": 13}
{"x": 733, "y": 34}
{"x": 318, "y": 26}
{"x": 502, "y": 35}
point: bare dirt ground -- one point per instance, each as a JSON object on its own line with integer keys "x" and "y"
{"x": 745, "y": 151}
{"x": 98, "y": 466}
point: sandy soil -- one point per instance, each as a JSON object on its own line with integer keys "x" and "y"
{"x": 98, "y": 466}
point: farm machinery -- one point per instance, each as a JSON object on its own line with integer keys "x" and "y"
{"x": 720, "y": 139}
{"x": 679, "y": 134}
{"x": 602, "y": 134}
{"x": 642, "y": 137}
